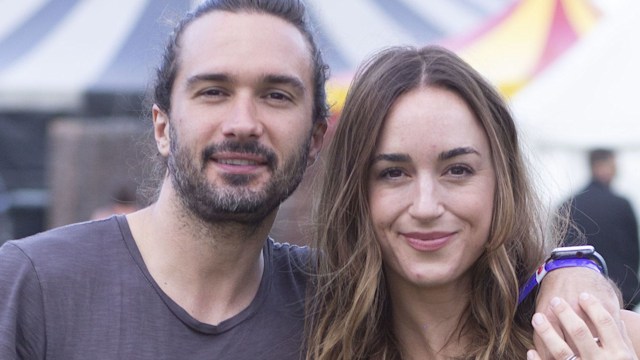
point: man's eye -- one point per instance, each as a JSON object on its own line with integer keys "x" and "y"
{"x": 212, "y": 92}
{"x": 278, "y": 96}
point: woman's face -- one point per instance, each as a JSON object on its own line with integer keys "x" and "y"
{"x": 431, "y": 188}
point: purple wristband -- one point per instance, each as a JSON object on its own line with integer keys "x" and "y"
{"x": 551, "y": 265}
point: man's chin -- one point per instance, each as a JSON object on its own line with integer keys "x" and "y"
{"x": 244, "y": 180}
{"x": 239, "y": 216}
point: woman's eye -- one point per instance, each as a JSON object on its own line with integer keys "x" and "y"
{"x": 391, "y": 173}
{"x": 460, "y": 170}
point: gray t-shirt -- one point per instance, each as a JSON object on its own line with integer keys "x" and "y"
{"x": 83, "y": 292}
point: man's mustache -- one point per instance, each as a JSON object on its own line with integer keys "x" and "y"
{"x": 253, "y": 148}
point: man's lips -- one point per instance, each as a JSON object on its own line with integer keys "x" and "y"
{"x": 239, "y": 162}
{"x": 232, "y": 156}
{"x": 430, "y": 241}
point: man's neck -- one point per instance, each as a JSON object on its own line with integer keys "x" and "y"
{"x": 213, "y": 271}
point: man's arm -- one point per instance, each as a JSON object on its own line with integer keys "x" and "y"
{"x": 22, "y": 333}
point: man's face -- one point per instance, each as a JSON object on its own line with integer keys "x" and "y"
{"x": 240, "y": 131}
{"x": 605, "y": 170}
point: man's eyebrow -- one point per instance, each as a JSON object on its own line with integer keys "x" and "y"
{"x": 267, "y": 79}
{"x": 446, "y": 155}
{"x": 285, "y": 80}
{"x": 208, "y": 77}
{"x": 391, "y": 158}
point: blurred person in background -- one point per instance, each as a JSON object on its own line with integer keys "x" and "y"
{"x": 607, "y": 221}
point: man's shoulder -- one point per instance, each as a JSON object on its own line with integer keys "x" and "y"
{"x": 69, "y": 240}
{"x": 592, "y": 194}
{"x": 288, "y": 247}
{"x": 69, "y": 258}
{"x": 290, "y": 258}
{"x": 289, "y": 252}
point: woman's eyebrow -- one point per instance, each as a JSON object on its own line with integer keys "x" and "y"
{"x": 396, "y": 157}
{"x": 446, "y": 155}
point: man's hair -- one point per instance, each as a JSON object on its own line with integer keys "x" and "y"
{"x": 598, "y": 155}
{"x": 292, "y": 11}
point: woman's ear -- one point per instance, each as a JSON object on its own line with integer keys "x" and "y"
{"x": 161, "y": 130}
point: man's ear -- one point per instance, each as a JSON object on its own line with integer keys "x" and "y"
{"x": 317, "y": 138}
{"x": 161, "y": 130}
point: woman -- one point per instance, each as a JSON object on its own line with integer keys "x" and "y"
{"x": 427, "y": 222}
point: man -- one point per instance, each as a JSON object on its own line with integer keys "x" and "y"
{"x": 239, "y": 113}
{"x": 608, "y": 222}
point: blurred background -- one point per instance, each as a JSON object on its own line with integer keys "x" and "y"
{"x": 74, "y": 73}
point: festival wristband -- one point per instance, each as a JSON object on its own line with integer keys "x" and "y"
{"x": 576, "y": 256}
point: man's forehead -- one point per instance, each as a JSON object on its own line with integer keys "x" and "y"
{"x": 241, "y": 44}
{"x": 229, "y": 25}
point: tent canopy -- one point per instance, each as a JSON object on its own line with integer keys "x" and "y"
{"x": 589, "y": 96}
{"x": 510, "y": 46}
{"x": 55, "y": 53}
{"x": 514, "y": 48}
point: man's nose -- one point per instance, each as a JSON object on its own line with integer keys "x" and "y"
{"x": 243, "y": 122}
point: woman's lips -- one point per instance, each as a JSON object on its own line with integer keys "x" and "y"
{"x": 428, "y": 241}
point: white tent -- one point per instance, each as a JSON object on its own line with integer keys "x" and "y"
{"x": 588, "y": 98}
{"x": 54, "y": 52}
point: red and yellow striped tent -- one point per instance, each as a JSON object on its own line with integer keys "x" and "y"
{"x": 513, "y": 47}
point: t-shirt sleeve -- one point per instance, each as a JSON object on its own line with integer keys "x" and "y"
{"x": 22, "y": 326}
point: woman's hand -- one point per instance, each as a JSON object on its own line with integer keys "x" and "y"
{"x": 606, "y": 340}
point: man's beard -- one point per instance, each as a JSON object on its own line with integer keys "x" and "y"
{"x": 233, "y": 201}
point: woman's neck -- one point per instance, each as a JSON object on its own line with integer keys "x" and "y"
{"x": 427, "y": 322}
